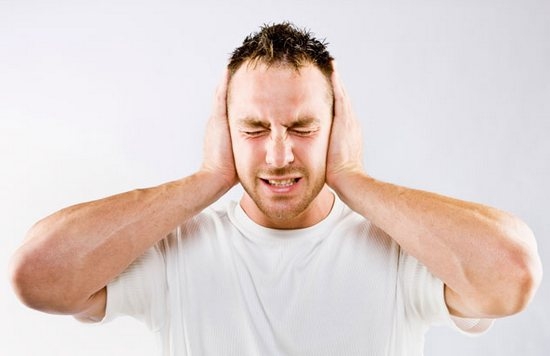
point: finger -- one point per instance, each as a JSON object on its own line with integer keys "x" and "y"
{"x": 340, "y": 98}
{"x": 336, "y": 81}
{"x": 220, "y": 98}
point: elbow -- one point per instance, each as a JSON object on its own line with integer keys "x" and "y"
{"x": 511, "y": 277}
{"x": 521, "y": 275}
{"x": 527, "y": 279}
{"x": 510, "y": 294}
{"x": 38, "y": 284}
{"x": 527, "y": 267}
{"x": 23, "y": 280}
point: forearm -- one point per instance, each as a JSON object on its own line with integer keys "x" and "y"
{"x": 75, "y": 252}
{"x": 486, "y": 256}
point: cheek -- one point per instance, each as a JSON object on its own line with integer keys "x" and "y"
{"x": 322, "y": 142}
{"x": 314, "y": 152}
{"x": 322, "y": 149}
{"x": 245, "y": 153}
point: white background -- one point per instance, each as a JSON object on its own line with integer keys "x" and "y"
{"x": 99, "y": 97}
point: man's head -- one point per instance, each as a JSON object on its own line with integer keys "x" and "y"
{"x": 282, "y": 44}
{"x": 280, "y": 113}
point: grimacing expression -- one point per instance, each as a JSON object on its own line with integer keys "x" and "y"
{"x": 280, "y": 121}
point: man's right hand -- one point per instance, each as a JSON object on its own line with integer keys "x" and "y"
{"x": 218, "y": 151}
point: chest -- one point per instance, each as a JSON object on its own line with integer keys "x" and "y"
{"x": 335, "y": 296}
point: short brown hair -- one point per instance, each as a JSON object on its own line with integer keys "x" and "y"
{"x": 284, "y": 44}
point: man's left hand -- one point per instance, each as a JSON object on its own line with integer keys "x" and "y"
{"x": 344, "y": 155}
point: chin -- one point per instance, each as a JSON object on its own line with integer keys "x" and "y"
{"x": 282, "y": 210}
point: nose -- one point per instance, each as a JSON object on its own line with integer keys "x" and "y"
{"x": 279, "y": 152}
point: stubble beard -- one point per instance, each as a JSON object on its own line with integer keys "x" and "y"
{"x": 283, "y": 208}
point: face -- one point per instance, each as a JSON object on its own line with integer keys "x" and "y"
{"x": 280, "y": 123}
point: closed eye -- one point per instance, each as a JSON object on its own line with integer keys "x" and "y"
{"x": 307, "y": 132}
{"x": 254, "y": 133}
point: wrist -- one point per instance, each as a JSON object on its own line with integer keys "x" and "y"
{"x": 218, "y": 183}
{"x": 340, "y": 181}
{"x": 349, "y": 186}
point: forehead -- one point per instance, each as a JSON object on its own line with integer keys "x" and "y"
{"x": 259, "y": 86}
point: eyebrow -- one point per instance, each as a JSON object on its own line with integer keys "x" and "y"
{"x": 305, "y": 121}
{"x": 253, "y": 122}
{"x": 300, "y": 122}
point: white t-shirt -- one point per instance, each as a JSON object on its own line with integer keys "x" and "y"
{"x": 222, "y": 285}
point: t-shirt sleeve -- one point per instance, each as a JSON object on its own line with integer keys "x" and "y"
{"x": 425, "y": 298}
{"x": 140, "y": 291}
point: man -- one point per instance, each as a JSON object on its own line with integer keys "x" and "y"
{"x": 318, "y": 258}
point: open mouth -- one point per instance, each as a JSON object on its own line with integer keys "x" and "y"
{"x": 281, "y": 183}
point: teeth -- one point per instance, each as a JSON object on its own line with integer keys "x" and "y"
{"x": 282, "y": 183}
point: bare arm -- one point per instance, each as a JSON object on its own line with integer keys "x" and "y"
{"x": 487, "y": 258}
{"x": 69, "y": 257}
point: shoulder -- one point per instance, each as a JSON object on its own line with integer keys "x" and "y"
{"x": 210, "y": 217}
{"x": 357, "y": 227}
{"x": 209, "y": 225}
